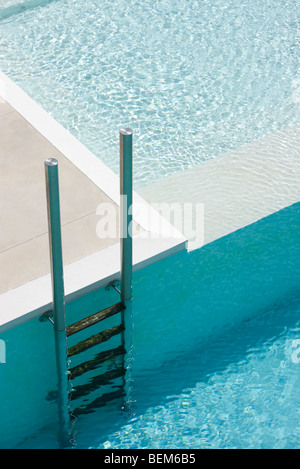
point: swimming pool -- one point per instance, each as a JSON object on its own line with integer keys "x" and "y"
{"x": 213, "y": 329}
{"x": 193, "y": 79}
{"x": 213, "y": 352}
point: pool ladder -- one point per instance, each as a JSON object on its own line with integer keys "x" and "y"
{"x": 58, "y": 319}
{"x": 106, "y": 356}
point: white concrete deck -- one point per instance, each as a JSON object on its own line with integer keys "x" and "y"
{"x": 24, "y": 246}
{"x": 28, "y": 136}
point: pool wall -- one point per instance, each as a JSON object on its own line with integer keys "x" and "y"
{"x": 179, "y": 303}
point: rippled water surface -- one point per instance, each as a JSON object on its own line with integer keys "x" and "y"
{"x": 192, "y": 78}
{"x": 240, "y": 391}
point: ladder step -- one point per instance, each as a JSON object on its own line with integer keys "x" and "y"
{"x": 99, "y": 402}
{"x": 95, "y": 340}
{"x": 96, "y": 382}
{"x": 94, "y": 318}
{"x": 98, "y": 360}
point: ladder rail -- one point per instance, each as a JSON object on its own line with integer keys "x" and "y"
{"x": 126, "y": 199}
{"x": 59, "y": 319}
{"x": 126, "y": 213}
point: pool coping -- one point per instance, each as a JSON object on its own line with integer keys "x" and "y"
{"x": 159, "y": 239}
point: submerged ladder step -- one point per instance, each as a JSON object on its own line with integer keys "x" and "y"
{"x": 99, "y": 402}
{"x": 96, "y": 382}
{"x": 95, "y": 362}
{"x": 94, "y": 318}
{"x": 95, "y": 340}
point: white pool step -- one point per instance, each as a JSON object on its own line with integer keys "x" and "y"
{"x": 237, "y": 188}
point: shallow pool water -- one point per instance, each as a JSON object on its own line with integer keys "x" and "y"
{"x": 194, "y": 79}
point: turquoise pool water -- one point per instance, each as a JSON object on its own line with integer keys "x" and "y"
{"x": 194, "y": 79}
{"x": 215, "y": 355}
{"x": 239, "y": 391}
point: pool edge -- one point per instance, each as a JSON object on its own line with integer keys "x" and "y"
{"x": 159, "y": 240}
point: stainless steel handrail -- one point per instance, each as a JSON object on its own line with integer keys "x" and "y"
{"x": 57, "y": 278}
